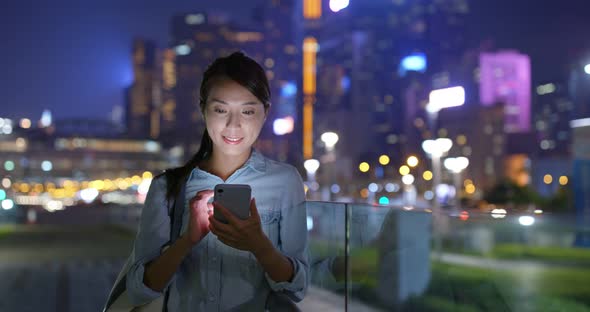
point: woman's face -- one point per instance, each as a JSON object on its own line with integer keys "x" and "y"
{"x": 234, "y": 118}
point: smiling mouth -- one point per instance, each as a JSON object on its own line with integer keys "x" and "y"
{"x": 232, "y": 140}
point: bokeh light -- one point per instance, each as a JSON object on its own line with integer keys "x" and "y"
{"x": 403, "y": 170}
{"x": 364, "y": 167}
{"x": 412, "y": 161}
{"x": 547, "y": 179}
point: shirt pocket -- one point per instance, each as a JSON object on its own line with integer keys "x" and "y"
{"x": 270, "y": 225}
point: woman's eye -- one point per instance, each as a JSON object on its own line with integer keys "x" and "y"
{"x": 219, "y": 110}
{"x": 250, "y": 112}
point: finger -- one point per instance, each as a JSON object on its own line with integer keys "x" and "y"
{"x": 226, "y": 238}
{"x": 233, "y": 220}
{"x": 229, "y": 242}
{"x": 203, "y": 194}
{"x": 221, "y": 233}
{"x": 219, "y": 226}
{"x": 253, "y": 209}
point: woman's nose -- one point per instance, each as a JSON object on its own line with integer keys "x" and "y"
{"x": 233, "y": 121}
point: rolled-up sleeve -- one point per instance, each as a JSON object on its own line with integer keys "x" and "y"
{"x": 293, "y": 238}
{"x": 153, "y": 233}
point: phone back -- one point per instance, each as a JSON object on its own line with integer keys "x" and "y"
{"x": 234, "y": 197}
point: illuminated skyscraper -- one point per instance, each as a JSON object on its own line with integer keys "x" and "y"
{"x": 505, "y": 77}
{"x": 551, "y": 116}
{"x": 280, "y": 57}
{"x": 363, "y": 83}
{"x": 167, "y": 108}
{"x": 140, "y": 100}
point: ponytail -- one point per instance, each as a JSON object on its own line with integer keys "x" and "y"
{"x": 176, "y": 175}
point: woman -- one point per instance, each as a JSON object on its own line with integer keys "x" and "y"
{"x": 215, "y": 266}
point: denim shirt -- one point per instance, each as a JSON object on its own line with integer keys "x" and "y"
{"x": 214, "y": 276}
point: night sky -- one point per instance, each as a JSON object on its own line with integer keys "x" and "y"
{"x": 73, "y": 57}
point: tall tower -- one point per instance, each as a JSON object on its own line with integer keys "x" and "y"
{"x": 312, "y": 14}
{"x": 280, "y": 59}
{"x": 140, "y": 96}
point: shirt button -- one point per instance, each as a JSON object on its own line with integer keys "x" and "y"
{"x": 211, "y": 298}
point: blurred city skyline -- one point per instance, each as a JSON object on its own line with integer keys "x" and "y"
{"x": 444, "y": 145}
{"x": 75, "y": 59}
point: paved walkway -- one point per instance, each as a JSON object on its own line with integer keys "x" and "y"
{"x": 318, "y": 299}
{"x": 82, "y": 286}
{"x": 54, "y": 268}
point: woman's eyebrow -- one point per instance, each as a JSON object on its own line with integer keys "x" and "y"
{"x": 223, "y": 102}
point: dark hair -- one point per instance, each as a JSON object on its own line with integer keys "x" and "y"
{"x": 239, "y": 68}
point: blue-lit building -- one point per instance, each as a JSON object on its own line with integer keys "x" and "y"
{"x": 551, "y": 156}
{"x": 374, "y": 63}
{"x": 552, "y": 112}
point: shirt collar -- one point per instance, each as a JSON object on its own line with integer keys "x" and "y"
{"x": 256, "y": 162}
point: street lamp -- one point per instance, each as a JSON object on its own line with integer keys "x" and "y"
{"x": 457, "y": 165}
{"x": 443, "y": 98}
{"x": 436, "y": 149}
{"x": 337, "y": 5}
{"x": 587, "y": 69}
{"x": 311, "y": 166}
{"x": 409, "y": 189}
{"x": 330, "y": 139}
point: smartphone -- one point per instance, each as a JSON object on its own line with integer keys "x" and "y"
{"x": 235, "y": 198}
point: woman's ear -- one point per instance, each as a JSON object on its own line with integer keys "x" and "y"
{"x": 203, "y": 107}
{"x": 266, "y": 111}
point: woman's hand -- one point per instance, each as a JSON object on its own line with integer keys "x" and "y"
{"x": 248, "y": 235}
{"x": 200, "y": 211}
{"x": 240, "y": 234}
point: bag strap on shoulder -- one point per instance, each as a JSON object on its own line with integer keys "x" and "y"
{"x": 176, "y": 213}
{"x": 176, "y": 208}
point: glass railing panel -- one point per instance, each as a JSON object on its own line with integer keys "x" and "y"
{"x": 406, "y": 259}
{"x": 326, "y": 223}
{"x": 389, "y": 259}
{"x": 514, "y": 262}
